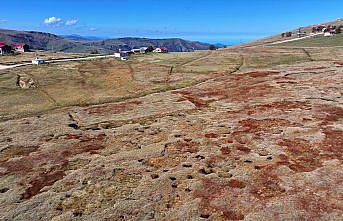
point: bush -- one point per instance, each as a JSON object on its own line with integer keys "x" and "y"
{"x": 339, "y": 30}
{"x": 212, "y": 47}
{"x": 95, "y": 52}
{"x": 150, "y": 49}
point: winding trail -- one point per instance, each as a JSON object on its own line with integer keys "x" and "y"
{"x": 5, "y": 67}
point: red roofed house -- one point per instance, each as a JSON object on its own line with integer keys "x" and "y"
{"x": 161, "y": 50}
{"x": 5, "y": 49}
{"x": 21, "y": 47}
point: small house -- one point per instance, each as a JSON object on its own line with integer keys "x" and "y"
{"x": 38, "y": 61}
{"x": 301, "y": 34}
{"x": 161, "y": 50}
{"x": 136, "y": 50}
{"x": 329, "y": 33}
{"x": 143, "y": 50}
{"x": 5, "y": 49}
{"x": 121, "y": 54}
{"x": 19, "y": 47}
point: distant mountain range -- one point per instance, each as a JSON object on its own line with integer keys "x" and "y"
{"x": 79, "y": 44}
{"x": 83, "y": 38}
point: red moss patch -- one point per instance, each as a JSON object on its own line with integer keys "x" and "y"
{"x": 232, "y": 215}
{"x": 315, "y": 206}
{"x": 184, "y": 147}
{"x": 256, "y": 74}
{"x": 73, "y": 136}
{"x": 233, "y": 183}
{"x": 211, "y": 135}
{"x": 242, "y": 148}
{"x": 265, "y": 125}
{"x": 340, "y": 63}
{"x": 196, "y": 101}
{"x": 225, "y": 150}
{"x": 332, "y": 114}
{"x": 42, "y": 180}
{"x": 333, "y": 143}
{"x": 211, "y": 190}
{"x": 303, "y": 157}
{"x": 266, "y": 185}
{"x": 37, "y": 176}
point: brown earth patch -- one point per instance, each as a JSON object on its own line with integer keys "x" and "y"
{"x": 116, "y": 108}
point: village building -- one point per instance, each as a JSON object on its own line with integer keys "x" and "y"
{"x": 5, "y": 49}
{"x": 161, "y": 50}
{"x": 19, "y": 47}
{"x": 330, "y": 33}
{"x": 136, "y": 50}
{"x": 38, "y": 61}
{"x": 143, "y": 50}
{"x": 301, "y": 34}
{"x": 121, "y": 54}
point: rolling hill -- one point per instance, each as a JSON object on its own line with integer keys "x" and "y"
{"x": 47, "y": 41}
{"x": 315, "y": 41}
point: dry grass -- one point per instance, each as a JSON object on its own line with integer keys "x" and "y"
{"x": 108, "y": 80}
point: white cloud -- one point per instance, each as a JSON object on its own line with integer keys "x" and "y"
{"x": 3, "y": 20}
{"x": 93, "y": 29}
{"x": 52, "y": 21}
{"x": 71, "y": 22}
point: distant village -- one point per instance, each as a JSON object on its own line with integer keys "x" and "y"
{"x": 6, "y": 49}
{"x": 123, "y": 54}
{"x": 326, "y": 30}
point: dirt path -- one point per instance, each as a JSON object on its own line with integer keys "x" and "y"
{"x": 5, "y": 67}
{"x": 295, "y": 39}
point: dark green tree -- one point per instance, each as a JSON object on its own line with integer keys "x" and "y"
{"x": 212, "y": 47}
{"x": 150, "y": 49}
{"x": 339, "y": 30}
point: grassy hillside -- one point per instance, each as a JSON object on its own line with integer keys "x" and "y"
{"x": 317, "y": 41}
{"x": 307, "y": 30}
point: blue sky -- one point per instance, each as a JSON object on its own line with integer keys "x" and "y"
{"x": 212, "y": 21}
